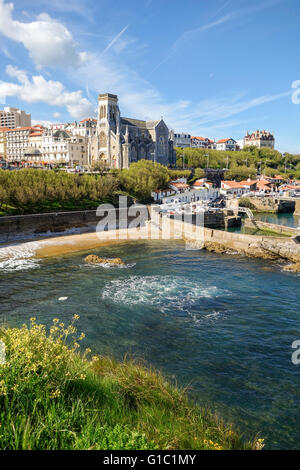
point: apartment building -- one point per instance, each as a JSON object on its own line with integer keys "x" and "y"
{"x": 60, "y": 147}
{"x": 85, "y": 128}
{"x": 17, "y": 141}
{"x": 14, "y": 117}
{"x": 3, "y": 152}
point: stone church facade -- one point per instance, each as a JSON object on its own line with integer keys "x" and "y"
{"x": 121, "y": 141}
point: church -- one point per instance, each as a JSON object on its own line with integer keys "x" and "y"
{"x": 121, "y": 141}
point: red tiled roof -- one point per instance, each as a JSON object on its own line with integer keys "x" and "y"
{"x": 288, "y": 186}
{"x": 263, "y": 186}
{"x": 248, "y": 183}
{"x": 89, "y": 119}
{"x": 232, "y": 184}
{"x": 198, "y": 182}
{"x": 180, "y": 185}
{"x": 20, "y": 129}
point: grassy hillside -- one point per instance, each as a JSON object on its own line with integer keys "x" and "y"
{"x": 53, "y": 397}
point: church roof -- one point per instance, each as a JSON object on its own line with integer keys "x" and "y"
{"x": 139, "y": 123}
{"x": 134, "y": 122}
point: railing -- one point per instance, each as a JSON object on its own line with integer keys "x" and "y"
{"x": 247, "y": 211}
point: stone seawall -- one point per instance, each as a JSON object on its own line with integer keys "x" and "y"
{"x": 297, "y": 207}
{"x": 265, "y": 247}
{"x": 280, "y": 229}
{"x": 271, "y": 204}
{"x": 26, "y": 226}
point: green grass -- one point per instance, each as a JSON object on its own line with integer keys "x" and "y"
{"x": 54, "y": 397}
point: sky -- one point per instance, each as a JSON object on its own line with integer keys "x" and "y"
{"x": 212, "y": 68}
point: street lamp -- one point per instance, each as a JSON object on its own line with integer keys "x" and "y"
{"x": 183, "y": 157}
{"x": 207, "y": 156}
{"x": 285, "y": 156}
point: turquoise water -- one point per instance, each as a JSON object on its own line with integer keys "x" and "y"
{"x": 287, "y": 219}
{"x": 222, "y": 324}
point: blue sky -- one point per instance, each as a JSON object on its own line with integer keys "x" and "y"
{"x": 214, "y": 68}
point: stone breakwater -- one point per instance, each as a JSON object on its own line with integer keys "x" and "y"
{"x": 272, "y": 248}
{"x": 280, "y": 229}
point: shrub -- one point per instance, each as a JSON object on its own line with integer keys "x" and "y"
{"x": 52, "y": 397}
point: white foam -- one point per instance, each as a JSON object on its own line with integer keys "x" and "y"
{"x": 165, "y": 292}
{"x": 110, "y": 265}
{"x": 18, "y": 257}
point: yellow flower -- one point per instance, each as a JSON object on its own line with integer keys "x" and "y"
{"x": 55, "y": 393}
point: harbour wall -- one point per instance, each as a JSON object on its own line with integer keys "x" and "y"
{"x": 43, "y": 225}
{"x": 271, "y": 204}
{"x": 297, "y": 207}
{"x": 219, "y": 241}
{"x": 280, "y": 229}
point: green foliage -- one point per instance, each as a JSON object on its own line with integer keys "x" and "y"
{"x": 29, "y": 191}
{"x": 142, "y": 178}
{"x": 175, "y": 174}
{"x": 268, "y": 161}
{"x": 52, "y": 397}
{"x": 240, "y": 173}
{"x": 245, "y": 202}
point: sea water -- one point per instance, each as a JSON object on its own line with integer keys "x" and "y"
{"x": 222, "y": 325}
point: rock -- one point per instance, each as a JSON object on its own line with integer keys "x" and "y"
{"x": 218, "y": 248}
{"x": 94, "y": 259}
{"x": 295, "y": 268}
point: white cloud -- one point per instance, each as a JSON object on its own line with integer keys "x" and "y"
{"x": 39, "y": 90}
{"x": 56, "y": 115}
{"x": 48, "y": 42}
{"x": 138, "y": 98}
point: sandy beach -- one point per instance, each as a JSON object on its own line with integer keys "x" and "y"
{"x": 87, "y": 241}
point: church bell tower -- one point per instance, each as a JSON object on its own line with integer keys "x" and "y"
{"x": 108, "y": 129}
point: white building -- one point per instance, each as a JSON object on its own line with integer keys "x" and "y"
{"x": 14, "y": 117}
{"x": 238, "y": 188}
{"x": 181, "y": 139}
{"x": 202, "y": 142}
{"x": 240, "y": 143}
{"x": 17, "y": 141}
{"x": 86, "y": 128}
{"x": 59, "y": 147}
{"x": 192, "y": 195}
{"x": 226, "y": 144}
{"x": 159, "y": 194}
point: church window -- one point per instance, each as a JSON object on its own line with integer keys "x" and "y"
{"x": 102, "y": 139}
{"x": 161, "y": 145}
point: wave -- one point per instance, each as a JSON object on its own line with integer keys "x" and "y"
{"x": 165, "y": 292}
{"x": 18, "y": 257}
{"x": 109, "y": 265}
